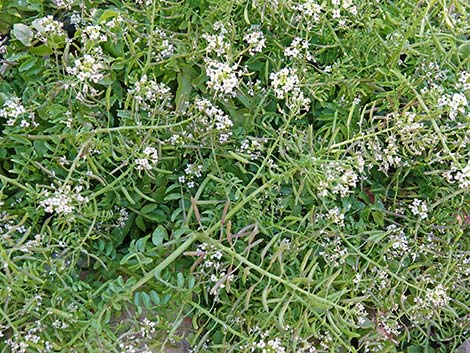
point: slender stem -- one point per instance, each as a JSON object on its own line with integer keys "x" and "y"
{"x": 8, "y": 180}
{"x": 319, "y": 301}
{"x": 165, "y": 263}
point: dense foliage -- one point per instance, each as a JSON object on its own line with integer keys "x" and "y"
{"x": 234, "y": 175}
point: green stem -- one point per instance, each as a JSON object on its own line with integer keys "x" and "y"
{"x": 321, "y": 302}
{"x": 8, "y": 180}
{"x": 165, "y": 263}
{"x": 220, "y": 322}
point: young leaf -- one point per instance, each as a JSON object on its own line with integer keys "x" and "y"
{"x": 23, "y": 33}
{"x": 158, "y": 235}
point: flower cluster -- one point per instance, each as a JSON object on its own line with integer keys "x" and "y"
{"x": 138, "y": 341}
{"x": 180, "y": 138}
{"x": 15, "y": 113}
{"x": 165, "y": 47}
{"x": 47, "y": 28}
{"x": 434, "y": 299}
{"x": 455, "y": 103}
{"x": 223, "y": 78}
{"x": 362, "y": 315}
{"x": 285, "y": 85}
{"x": 464, "y": 81}
{"x": 334, "y": 253}
{"x": 336, "y": 216}
{"x": 214, "y": 118}
{"x": 264, "y": 344}
{"x": 217, "y": 43}
{"x": 309, "y": 10}
{"x": 253, "y": 147}
{"x": 346, "y": 5}
{"x": 32, "y": 244}
{"x": 408, "y": 129}
{"x": 93, "y": 34}
{"x": 340, "y": 179}
{"x": 284, "y": 82}
{"x": 213, "y": 267}
{"x": 149, "y": 160}
{"x": 297, "y": 46}
{"x": 462, "y": 176}
{"x": 211, "y": 256}
{"x": 419, "y": 208}
{"x": 386, "y": 154}
{"x": 255, "y": 39}
{"x": 149, "y": 92}
{"x": 63, "y": 200}
{"x": 272, "y": 345}
{"x": 192, "y": 171}
{"x": 437, "y": 297}
{"x": 123, "y": 216}
{"x": 399, "y": 242}
{"x": 87, "y": 68}
{"x": 3, "y": 41}
{"x": 64, "y": 4}
{"x": 8, "y": 226}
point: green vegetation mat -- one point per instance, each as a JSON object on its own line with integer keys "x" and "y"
{"x": 265, "y": 176}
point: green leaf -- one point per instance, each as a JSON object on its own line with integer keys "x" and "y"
{"x": 179, "y": 232}
{"x": 191, "y": 281}
{"x": 139, "y": 221}
{"x": 378, "y": 217}
{"x": 41, "y": 50}
{"x": 27, "y": 64}
{"x": 149, "y": 208}
{"x": 158, "y": 235}
{"x": 172, "y": 197}
{"x": 155, "y": 297}
{"x": 23, "y": 33}
{"x": 183, "y": 93}
{"x": 146, "y": 300}
{"x": 141, "y": 243}
{"x": 180, "y": 280}
{"x": 464, "y": 50}
{"x": 166, "y": 298}
{"x": 107, "y": 14}
{"x": 137, "y": 299}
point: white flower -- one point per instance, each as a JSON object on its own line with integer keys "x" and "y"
{"x": 12, "y": 108}
{"x": 87, "y": 68}
{"x": 149, "y": 161}
{"x": 47, "y": 27}
{"x": 284, "y": 82}
{"x": 296, "y": 46}
{"x": 14, "y": 111}
{"x": 223, "y": 78}
{"x": 93, "y": 34}
{"x": 463, "y": 177}
{"x": 336, "y": 216}
{"x": 63, "y": 200}
{"x": 255, "y": 39}
{"x": 457, "y": 103}
{"x": 216, "y": 43}
{"x": 67, "y": 4}
{"x": 144, "y": 2}
{"x": 147, "y": 91}
{"x": 437, "y": 297}
{"x": 253, "y": 147}
{"x": 464, "y": 81}
{"x": 217, "y": 119}
{"x": 310, "y": 8}
{"x": 419, "y": 208}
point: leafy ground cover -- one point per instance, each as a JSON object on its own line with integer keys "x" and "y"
{"x": 234, "y": 176}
